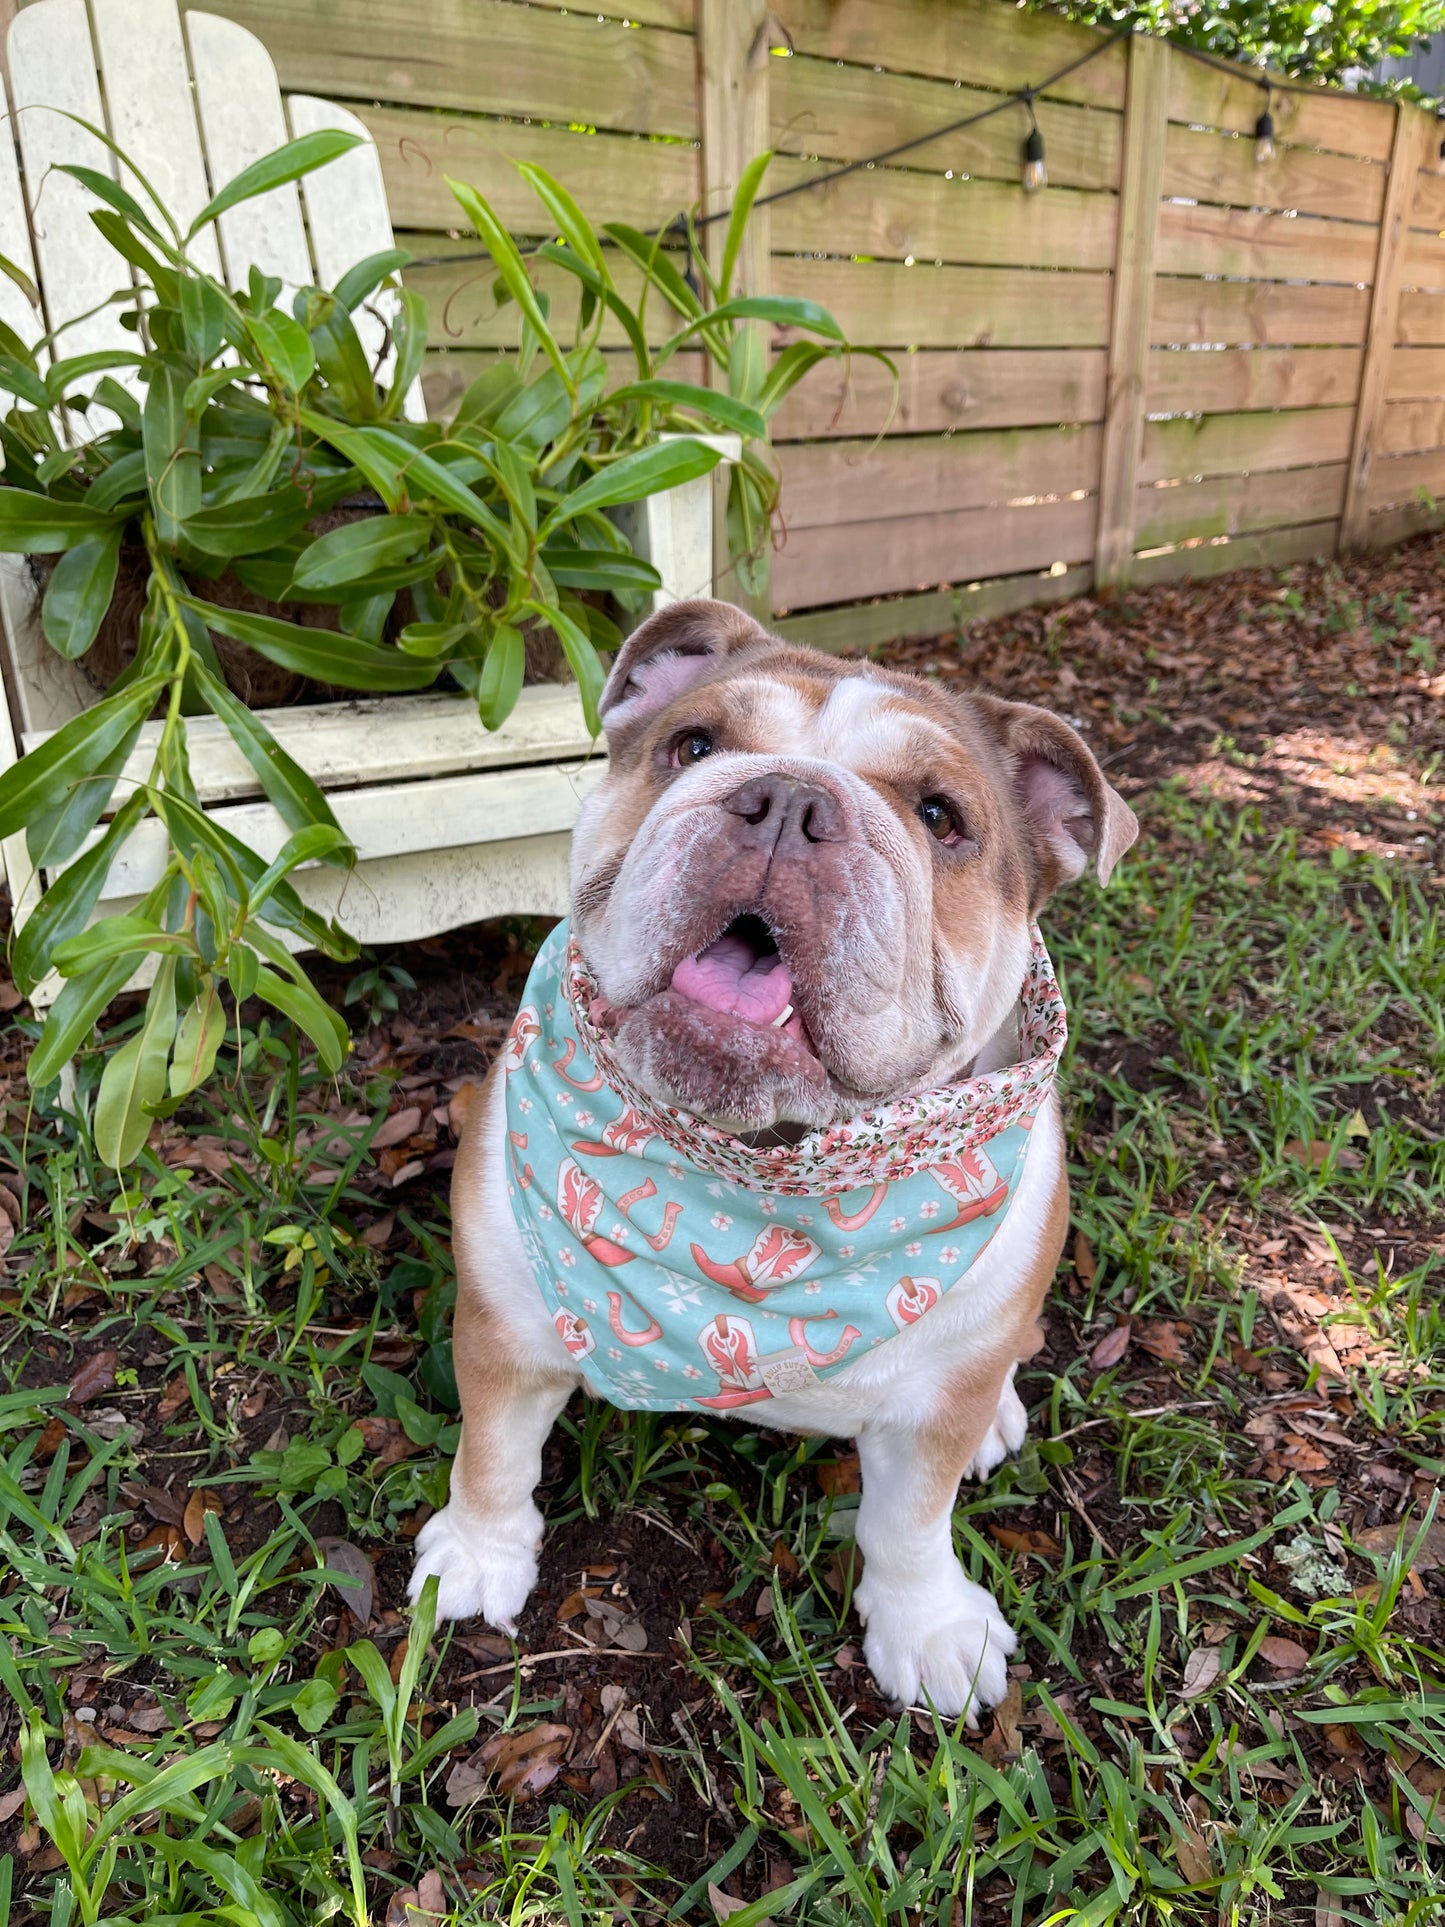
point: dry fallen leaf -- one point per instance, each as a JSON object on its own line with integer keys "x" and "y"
{"x": 1164, "y": 1340}
{"x": 1191, "y": 1855}
{"x": 1382, "y": 1541}
{"x": 1086, "y": 1267}
{"x": 1032, "y": 1543}
{"x": 1284, "y": 1655}
{"x": 193, "y": 1520}
{"x": 841, "y": 1475}
{"x": 94, "y": 1376}
{"x": 724, "y": 1905}
{"x": 397, "y": 1128}
{"x": 1005, "y": 1742}
{"x": 342, "y": 1557}
{"x": 1111, "y": 1347}
{"x": 524, "y": 1763}
{"x": 1201, "y": 1669}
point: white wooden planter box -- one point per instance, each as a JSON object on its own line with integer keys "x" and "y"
{"x": 451, "y": 822}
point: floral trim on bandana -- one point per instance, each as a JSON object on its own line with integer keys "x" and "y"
{"x": 890, "y": 1141}
{"x": 683, "y": 1269}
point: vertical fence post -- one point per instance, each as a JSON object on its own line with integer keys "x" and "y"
{"x": 1407, "y": 155}
{"x": 733, "y": 72}
{"x": 1145, "y": 126}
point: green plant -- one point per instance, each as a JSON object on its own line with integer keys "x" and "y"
{"x": 239, "y": 424}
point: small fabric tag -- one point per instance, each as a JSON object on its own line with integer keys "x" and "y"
{"x": 787, "y": 1371}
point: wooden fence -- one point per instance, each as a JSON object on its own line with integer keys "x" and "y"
{"x": 1172, "y": 361}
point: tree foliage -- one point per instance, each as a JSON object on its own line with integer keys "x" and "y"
{"x": 1324, "y": 42}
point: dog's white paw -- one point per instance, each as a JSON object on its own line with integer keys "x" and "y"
{"x": 485, "y": 1572}
{"x": 1004, "y": 1436}
{"x": 951, "y": 1649}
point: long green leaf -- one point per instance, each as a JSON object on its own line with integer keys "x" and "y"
{"x": 42, "y": 779}
{"x": 602, "y": 290}
{"x": 743, "y": 197}
{"x": 581, "y": 656}
{"x": 33, "y": 524}
{"x": 317, "y": 843}
{"x": 135, "y": 1077}
{"x": 72, "y": 1019}
{"x": 646, "y": 471}
{"x": 503, "y": 250}
{"x": 78, "y": 594}
{"x": 650, "y": 255}
{"x": 173, "y": 451}
{"x": 572, "y": 224}
{"x": 288, "y": 786}
{"x": 600, "y": 569}
{"x": 721, "y": 408}
{"x": 318, "y": 653}
{"x": 364, "y": 279}
{"x": 200, "y": 1036}
{"x": 409, "y": 331}
{"x": 501, "y": 678}
{"x": 122, "y": 936}
{"x": 67, "y": 904}
{"x": 286, "y": 163}
{"x": 309, "y": 1013}
{"x": 357, "y": 549}
{"x": 286, "y": 347}
{"x": 787, "y": 311}
{"x": 250, "y": 524}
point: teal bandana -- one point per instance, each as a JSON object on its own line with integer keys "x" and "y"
{"x": 684, "y": 1267}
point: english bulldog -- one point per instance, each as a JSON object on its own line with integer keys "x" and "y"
{"x": 775, "y": 1132}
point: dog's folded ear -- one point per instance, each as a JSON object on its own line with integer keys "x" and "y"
{"x": 1074, "y": 815}
{"x": 666, "y": 654}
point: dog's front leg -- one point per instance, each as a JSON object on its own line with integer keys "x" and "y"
{"x": 483, "y": 1545}
{"x": 930, "y": 1630}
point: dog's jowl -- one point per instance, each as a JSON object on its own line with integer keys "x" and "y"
{"x": 776, "y": 1131}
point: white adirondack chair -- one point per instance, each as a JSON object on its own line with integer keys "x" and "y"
{"x": 451, "y": 823}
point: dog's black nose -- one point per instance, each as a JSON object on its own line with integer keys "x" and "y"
{"x": 788, "y": 817}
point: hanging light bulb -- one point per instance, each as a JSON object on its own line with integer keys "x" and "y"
{"x": 1264, "y": 139}
{"x": 1036, "y": 174}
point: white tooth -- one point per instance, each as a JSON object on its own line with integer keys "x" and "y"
{"x": 782, "y": 1018}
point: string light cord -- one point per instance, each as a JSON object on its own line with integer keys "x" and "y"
{"x": 1033, "y": 146}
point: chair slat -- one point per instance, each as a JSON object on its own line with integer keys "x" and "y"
{"x": 15, "y": 310}
{"x": 148, "y": 95}
{"x": 242, "y": 118}
{"x": 348, "y": 217}
{"x": 52, "y": 67}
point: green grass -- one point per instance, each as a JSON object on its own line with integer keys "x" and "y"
{"x": 1234, "y": 1002}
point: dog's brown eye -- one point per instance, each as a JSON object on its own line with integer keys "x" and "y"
{"x": 691, "y": 748}
{"x": 939, "y": 819}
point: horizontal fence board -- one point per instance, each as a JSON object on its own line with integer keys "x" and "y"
{"x": 1183, "y": 381}
{"x": 1209, "y": 166}
{"x": 1421, "y": 322}
{"x": 1401, "y": 523}
{"x": 1206, "y": 96}
{"x": 1237, "y": 313}
{"x": 940, "y": 612}
{"x": 1416, "y": 374}
{"x": 1272, "y": 551}
{"x": 447, "y": 374}
{"x": 611, "y": 177}
{"x": 889, "y": 306}
{"x": 1229, "y": 444}
{"x": 483, "y": 56}
{"x": 1427, "y": 210}
{"x": 950, "y": 38}
{"x": 937, "y": 390}
{"x": 852, "y": 559}
{"x": 890, "y": 212}
{"x": 845, "y": 113}
{"x": 679, "y": 14}
{"x": 1412, "y": 425}
{"x": 1263, "y": 247}
{"x": 1424, "y": 261}
{"x": 1398, "y": 479}
{"x": 874, "y": 482}
{"x": 1238, "y": 504}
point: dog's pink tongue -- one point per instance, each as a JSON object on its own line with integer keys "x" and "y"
{"x": 730, "y": 976}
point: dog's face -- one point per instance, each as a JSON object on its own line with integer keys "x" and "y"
{"x": 805, "y": 885}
